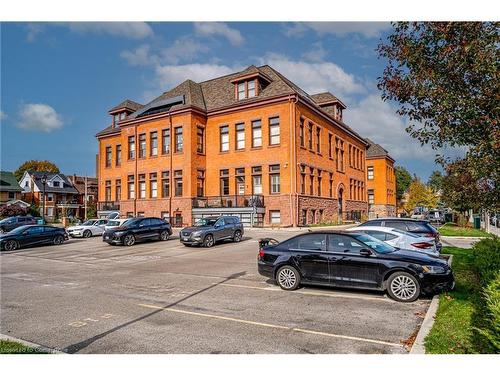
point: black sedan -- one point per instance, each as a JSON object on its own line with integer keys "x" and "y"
{"x": 138, "y": 229}
{"x": 354, "y": 260}
{"x": 32, "y": 235}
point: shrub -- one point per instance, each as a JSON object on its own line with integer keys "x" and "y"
{"x": 491, "y": 325}
{"x": 12, "y": 210}
{"x": 487, "y": 258}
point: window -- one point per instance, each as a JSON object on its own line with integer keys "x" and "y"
{"x": 118, "y": 190}
{"x": 302, "y": 183}
{"x": 339, "y": 151}
{"x": 179, "y": 140}
{"x": 371, "y": 196}
{"x": 256, "y": 133}
{"x": 318, "y": 140}
{"x": 116, "y": 118}
{"x": 274, "y": 179}
{"x": 330, "y": 149}
{"x": 142, "y": 145}
{"x": 118, "y": 155}
{"x": 370, "y": 172}
{"x": 143, "y": 222}
{"x": 55, "y": 183}
{"x": 240, "y": 136}
{"x": 224, "y": 138}
{"x": 312, "y": 242}
{"x": 142, "y": 186}
{"x": 12, "y": 195}
{"x": 251, "y": 89}
{"x": 224, "y": 182}
{"x": 240, "y": 181}
{"x": 330, "y": 193}
{"x": 130, "y": 187}
{"x": 165, "y": 216}
{"x": 178, "y": 183}
{"x": 165, "y": 143}
{"x": 130, "y": 214}
{"x": 275, "y": 217}
{"x": 200, "y": 183}
{"x": 153, "y": 143}
{"x": 50, "y": 211}
{"x": 241, "y": 90}
{"x": 310, "y": 136}
{"x": 153, "y": 185}
{"x": 200, "y": 137}
{"x": 319, "y": 183}
{"x": 165, "y": 184}
{"x": 343, "y": 244}
{"x": 107, "y": 196}
{"x": 108, "y": 156}
{"x": 274, "y": 131}
{"x": 301, "y": 133}
{"x": 257, "y": 180}
{"x": 311, "y": 182}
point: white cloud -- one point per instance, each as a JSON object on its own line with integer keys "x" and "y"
{"x": 134, "y": 30}
{"x": 315, "y": 77}
{"x": 39, "y": 117}
{"x": 33, "y": 30}
{"x": 183, "y": 49}
{"x": 169, "y": 76}
{"x": 366, "y": 29}
{"x": 140, "y": 56}
{"x": 316, "y": 54}
{"x": 3, "y": 115}
{"x": 219, "y": 28}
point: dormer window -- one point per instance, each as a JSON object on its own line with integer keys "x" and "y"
{"x": 55, "y": 183}
{"x": 250, "y": 85}
{"x": 246, "y": 89}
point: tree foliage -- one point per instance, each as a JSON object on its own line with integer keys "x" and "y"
{"x": 445, "y": 77}
{"x": 403, "y": 181}
{"x": 420, "y": 196}
{"x": 12, "y": 210}
{"x": 36, "y": 166}
{"x": 435, "y": 181}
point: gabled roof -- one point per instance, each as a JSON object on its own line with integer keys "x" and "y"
{"x": 128, "y": 105}
{"x": 327, "y": 98}
{"x": 8, "y": 182}
{"x": 66, "y": 188}
{"x": 374, "y": 150}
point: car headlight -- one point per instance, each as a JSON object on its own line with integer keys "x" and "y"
{"x": 433, "y": 269}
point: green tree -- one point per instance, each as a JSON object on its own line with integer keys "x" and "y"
{"x": 420, "y": 196}
{"x": 435, "y": 181}
{"x": 460, "y": 187}
{"x": 445, "y": 78}
{"x": 403, "y": 181}
{"x": 36, "y": 166}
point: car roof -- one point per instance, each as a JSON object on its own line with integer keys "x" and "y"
{"x": 394, "y": 219}
{"x": 380, "y": 229}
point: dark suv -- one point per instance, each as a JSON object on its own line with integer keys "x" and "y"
{"x": 211, "y": 229}
{"x": 138, "y": 229}
{"x": 419, "y": 227}
{"x": 9, "y": 223}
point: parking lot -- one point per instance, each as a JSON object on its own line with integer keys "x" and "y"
{"x": 161, "y": 297}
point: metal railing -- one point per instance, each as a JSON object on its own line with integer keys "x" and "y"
{"x": 228, "y": 201}
{"x": 108, "y": 206}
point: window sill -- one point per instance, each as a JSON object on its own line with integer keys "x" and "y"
{"x": 302, "y": 147}
{"x": 256, "y": 148}
{"x": 274, "y": 146}
{"x": 200, "y": 153}
{"x": 165, "y": 154}
{"x": 240, "y": 150}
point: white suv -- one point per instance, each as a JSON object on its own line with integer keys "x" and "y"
{"x": 94, "y": 227}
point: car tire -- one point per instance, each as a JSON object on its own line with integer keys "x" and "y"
{"x": 208, "y": 241}
{"x": 164, "y": 235}
{"x": 11, "y": 245}
{"x": 87, "y": 233}
{"x": 129, "y": 240}
{"x": 403, "y": 287}
{"x": 288, "y": 278}
{"x": 58, "y": 240}
{"x": 237, "y": 236}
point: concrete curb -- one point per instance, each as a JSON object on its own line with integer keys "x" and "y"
{"x": 42, "y": 348}
{"x": 461, "y": 238}
{"x": 418, "y": 346}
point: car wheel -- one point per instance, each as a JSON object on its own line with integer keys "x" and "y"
{"x": 288, "y": 278}
{"x": 87, "y": 234}
{"x": 237, "y": 236}
{"x": 163, "y": 235}
{"x": 58, "y": 240}
{"x": 11, "y": 245}
{"x": 129, "y": 240}
{"x": 403, "y": 287}
{"x": 208, "y": 241}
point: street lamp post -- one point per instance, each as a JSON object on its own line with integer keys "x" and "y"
{"x": 44, "y": 182}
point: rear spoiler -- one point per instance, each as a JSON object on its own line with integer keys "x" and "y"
{"x": 267, "y": 241}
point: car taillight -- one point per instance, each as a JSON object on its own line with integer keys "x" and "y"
{"x": 261, "y": 253}
{"x": 422, "y": 245}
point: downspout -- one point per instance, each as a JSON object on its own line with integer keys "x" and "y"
{"x": 170, "y": 173}
{"x": 135, "y": 169}
{"x": 293, "y": 162}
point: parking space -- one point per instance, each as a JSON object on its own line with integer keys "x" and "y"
{"x": 161, "y": 297}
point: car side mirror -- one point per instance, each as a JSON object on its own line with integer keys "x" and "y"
{"x": 365, "y": 252}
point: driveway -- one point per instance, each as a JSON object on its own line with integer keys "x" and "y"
{"x": 88, "y": 297}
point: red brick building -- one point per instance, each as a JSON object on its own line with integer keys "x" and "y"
{"x": 251, "y": 144}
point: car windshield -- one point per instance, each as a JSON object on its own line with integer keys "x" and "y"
{"x": 89, "y": 223}
{"x": 205, "y": 221}
{"x": 114, "y": 223}
{"x": 7, "y": 221}
{"x": 377, "y": 245}
{"x": 131, "y": 222}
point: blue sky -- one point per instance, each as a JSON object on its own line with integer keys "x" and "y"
{"x": 58, "y": 80}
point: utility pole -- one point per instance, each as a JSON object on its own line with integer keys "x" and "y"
{"x": 85, "y": 198}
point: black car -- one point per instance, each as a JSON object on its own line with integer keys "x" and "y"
{"x": 31, "y": 235}
{"x": 415, "y": 226}
{"x": 208, "y": 230}
{"x": 353, "y": 260}
{"x": 138, "y": 229}
{"x": 10, "y": 223}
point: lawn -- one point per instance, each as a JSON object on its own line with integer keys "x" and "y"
{"x": 456, "y": 231}
{"x": 458, "y": 311}
{"x": 11, "y": 347}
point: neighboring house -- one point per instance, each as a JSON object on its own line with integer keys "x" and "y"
{"x": 251, "y": 144}
{"x": 61, "y": 197}
{"x": 10, "y": 190}
{"x": 381, "y": 181}
{"x": 82, "y": 182}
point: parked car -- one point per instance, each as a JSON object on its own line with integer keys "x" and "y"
{"x": 353, "y": 260}
{"x": 138, "y": 229}
{"x": 435, "y": 217}
{"x": 400, "y": 239}
{"x": 13, "y": 222}
{"x": 208, "y": 230}
{"x": 94, "y": 227}
{"x": 30, "y": 235}
{"x": 419, "y": 227}
{"x": 115, "y": 223}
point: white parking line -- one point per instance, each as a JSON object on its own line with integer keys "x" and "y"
{"x": 301, "y": 330}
